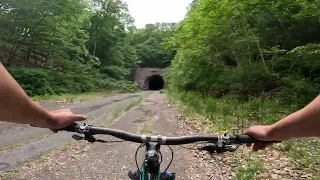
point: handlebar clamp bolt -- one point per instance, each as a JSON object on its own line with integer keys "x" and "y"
{"x": 226, "y": 138}
{"x": 84, "y": 128}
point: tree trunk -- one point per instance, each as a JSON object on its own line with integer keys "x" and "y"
{"x": 28, "y": 54}
{"x": 35, "y": 59}
{"x": 95, "y": 43}
{"x": 13, "y": 53}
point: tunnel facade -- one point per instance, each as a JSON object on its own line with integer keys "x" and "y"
{"x": 149, "y": 78}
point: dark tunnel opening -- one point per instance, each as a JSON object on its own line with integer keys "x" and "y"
{"x": 155, "y": 82}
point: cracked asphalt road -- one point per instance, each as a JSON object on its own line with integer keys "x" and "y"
{"x": 20, "y": 142}
{"x": 111, "y": 161}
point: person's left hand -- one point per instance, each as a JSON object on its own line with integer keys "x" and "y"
{"x": 62, "y": 118}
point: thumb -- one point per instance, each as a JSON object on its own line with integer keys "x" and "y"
{"x": 249, "y": 132}
{"x": 68, "y": 120}
{"x": 252, "y": 133}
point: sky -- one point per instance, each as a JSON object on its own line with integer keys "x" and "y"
{"x": 151, "y": 11}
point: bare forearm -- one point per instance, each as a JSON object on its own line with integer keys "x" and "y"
{"x": 303, "y": 123}
{"x": 16, "y": 106}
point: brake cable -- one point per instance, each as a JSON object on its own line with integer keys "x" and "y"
{"x": 135, "y": 156}
{"x": 170, "y": 161}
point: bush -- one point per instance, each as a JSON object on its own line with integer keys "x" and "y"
{"x": 298, "y": 90}
{"x": 45, "y": 81}
{"x": 299, "y": 72}
{"x": 243, "y": 82}
{"x": 33, "y": 81}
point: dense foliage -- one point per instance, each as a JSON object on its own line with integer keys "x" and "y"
{"x": 149, "y": 44}
{"x": 248, "y": 49}
{"x": 58, "y": 46}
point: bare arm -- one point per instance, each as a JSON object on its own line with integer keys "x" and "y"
{"x": 303, "y": 123}
{"x": 17, "y": 107}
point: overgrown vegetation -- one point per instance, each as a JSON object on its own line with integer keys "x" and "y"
{"x": 239, "y": 63}
{"x": 233, "y": 116}
{"x": 73, "y": 97}
{"x": 56, "y": 47}
{"x": 59, "y": 46}
{"x": 149, "y": 41}
{"x": 248, "y": 49}
{"x": 228, "y": 113}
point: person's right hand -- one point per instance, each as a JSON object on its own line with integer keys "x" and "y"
{"x": 261, "y": 133}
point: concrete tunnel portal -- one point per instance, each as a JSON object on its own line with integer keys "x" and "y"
{"x": 149, "y": 78}
{"x": 154, "y": 83}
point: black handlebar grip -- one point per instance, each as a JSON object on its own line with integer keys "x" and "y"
{"x": 249, "y": 139}
{"x": 73, "y": 128}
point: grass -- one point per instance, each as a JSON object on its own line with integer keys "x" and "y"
{"x": 305, "y": 151}
{"x": 227, "y": 113}
{"x": 233, "y": 116}
{"x": 16, "y": 145}
{"x": 11, "y": 172}
{"x": 74, "y": 97}
{"x": 133, "y": 104}
{"x": 119, "y": 112}
{"x": 8, "y": 173}
{"x": 12, "y": 146}
{"x": 248, "y": 173}
{"x": 116, "y": 113}
{"x": 146, "y": 128}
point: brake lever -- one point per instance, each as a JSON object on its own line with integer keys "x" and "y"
{"x": 87, "y": 137}
{"x": 218, "y": 150}
{"x": 232, "y": 148}
{"x": 91, "y": 138}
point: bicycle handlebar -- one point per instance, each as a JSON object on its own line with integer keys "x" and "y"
{"x": 92, "y": 130}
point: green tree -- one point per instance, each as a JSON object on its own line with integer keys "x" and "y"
{"x": 247, "y": 48}
{"x": 149, "y": 42}
{"x": 79, "y": 44}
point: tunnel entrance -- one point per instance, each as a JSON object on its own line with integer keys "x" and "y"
{"x": 154, "y": 82}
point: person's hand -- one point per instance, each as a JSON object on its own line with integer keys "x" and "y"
{"x": 261, "y": 133}
{"x": 63, "y": 117}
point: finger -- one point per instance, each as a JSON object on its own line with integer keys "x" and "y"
{"x": 54, "y": 130}
{"x": 255, "y": 147}
{"x": 263, "y": 146}
{"x": 247, "y": 131}
{"x": 78, "y": 118}
{"x": 269, "y": 143}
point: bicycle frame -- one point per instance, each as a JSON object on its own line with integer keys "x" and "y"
{"x": 151, "y": 164}
{"x": 150, "y": 169}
